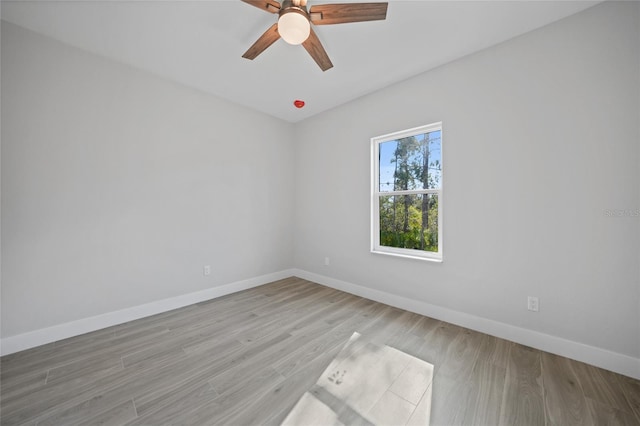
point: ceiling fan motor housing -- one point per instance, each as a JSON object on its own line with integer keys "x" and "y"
{"x": 291, "y": 6}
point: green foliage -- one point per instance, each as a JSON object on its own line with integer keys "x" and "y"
{"x": 392, "y": 233}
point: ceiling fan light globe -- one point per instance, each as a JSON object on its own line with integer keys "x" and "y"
{"x": 294, "y": 28}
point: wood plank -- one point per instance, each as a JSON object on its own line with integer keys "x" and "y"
{"x": 487, "y": 384}
{"x": 424, "y": 326}
{"x": 601, "y": 386}
{"x": 116, "y": 416}
{"x": 631, "y": 389}
{"x": 438, "y": 342}
{"x": 564, "y": 400}
{"x": 329, "y": 342}
{"x": 17, "y": 386}
{"x": 605, "y": 415}
{"x": 98, "y": 365}
{"x": 232, "y": 403}
{"x": 461, "y": 355}
{"x": 451, "y": 400}
{"x": 179, "y": 404}
{"x": 495, "y": 350}
{"x": 272, "y": 407}
{"x": 522, "y": 400}
{"x": 92, "y": 409}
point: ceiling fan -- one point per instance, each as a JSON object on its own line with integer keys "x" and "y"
{"x": 294, "y": 24}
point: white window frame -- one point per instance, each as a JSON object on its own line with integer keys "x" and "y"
{"x": 376, "y": 194}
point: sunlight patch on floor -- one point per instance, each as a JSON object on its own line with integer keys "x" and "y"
{"x": 368, "y": 383}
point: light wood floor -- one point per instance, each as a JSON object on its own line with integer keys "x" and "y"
{"x": 246, "y": 359}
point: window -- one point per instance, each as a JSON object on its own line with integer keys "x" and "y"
{"x": 406, "y": 203}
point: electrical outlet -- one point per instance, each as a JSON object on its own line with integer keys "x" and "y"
{"x": 532, "y": 303}
{"x": 326, "y": 261}
{"x": 206, "y": 270}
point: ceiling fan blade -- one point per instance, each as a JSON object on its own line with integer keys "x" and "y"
{"x": 271, "y": 6}
{"x": 328, "y": 14}
{"x": 317, "y": 52}
{"x": 267, "y": 39}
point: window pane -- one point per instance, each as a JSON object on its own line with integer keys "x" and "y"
{"x": 409, "y": 163}
{"x": 409, "y": 221}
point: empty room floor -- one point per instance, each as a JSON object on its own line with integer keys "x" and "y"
{"x": 247, "y": 358}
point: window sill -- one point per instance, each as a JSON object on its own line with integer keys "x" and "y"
{"x": 408, "y": 256}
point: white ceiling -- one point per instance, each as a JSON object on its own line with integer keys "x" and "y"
{"x": 200, "y": 43}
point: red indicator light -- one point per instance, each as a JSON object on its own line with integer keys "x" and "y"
{"x": 298, "y": 103}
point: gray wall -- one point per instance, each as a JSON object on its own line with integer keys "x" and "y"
{"x": 541, "y": 135}
{"x": 117, "y": 187}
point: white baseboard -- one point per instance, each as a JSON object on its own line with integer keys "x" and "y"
{"x": 602, "y": 358}
{"x": 20, "y": 342}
